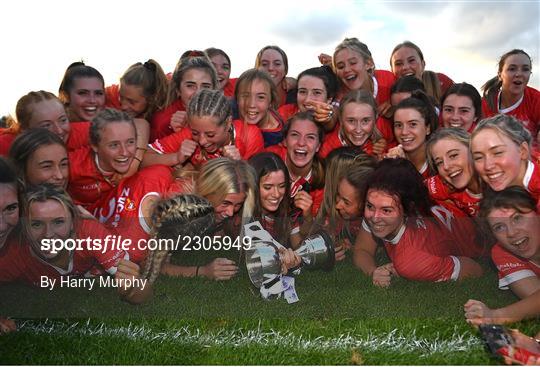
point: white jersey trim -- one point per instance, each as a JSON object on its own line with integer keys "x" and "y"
{"x": 375, "y": 86}
{"x": 512, "y": 107}
{"x": 514, "y": 277}
{"x": 457, "y": 268}
{"x": 528, "y": 175}
{"x": 142, "y": 222}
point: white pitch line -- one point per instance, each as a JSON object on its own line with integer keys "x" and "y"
{"x": 393, "y": 341}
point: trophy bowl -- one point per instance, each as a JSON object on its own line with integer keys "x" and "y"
{"x": 263, "y": 259}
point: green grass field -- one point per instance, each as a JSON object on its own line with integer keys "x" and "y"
{"x": 340, "y": 319}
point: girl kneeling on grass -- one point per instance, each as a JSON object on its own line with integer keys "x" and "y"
{"x": 424, "y": 242}
{"x": 210, "y": 134}
{"x": 513, "y": 219}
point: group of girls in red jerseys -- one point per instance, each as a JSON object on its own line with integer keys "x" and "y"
{"x": 404, "y": 159}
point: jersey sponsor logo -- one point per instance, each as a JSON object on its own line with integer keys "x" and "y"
{"x": 508, "y": 266}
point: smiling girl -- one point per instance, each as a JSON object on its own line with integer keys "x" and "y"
{"x": 408, "y": 59}
{"x": 273, "y": 199}
{"x": 256, "y": 96}
{"x": 273, "y": 60}
{"x": 40, "y": 157}
{"x": 513, "y": 220}
{"x": 500, "y": 148}
{"x": 192, "y": 73}
{"x": 461, "y": 106}
{"x": 359, "y": 126}
{"x": 316, "y": 91}
{"x": 113, "y": 143}
{"x": 142, "y": 90}
{"x": 457, "y": 181}
{"x": 222, "y": 64}
{"x": 341, "y": 210}
{"x": 82, "y": 91}
{"x": 414, "y": 120}
{"x": 210, "y": 134}
{"x": 354, "y": 66}
{"x": 41, "y": 109}
{"x": 424, "y": 242}
{"x": 303, "y": 138}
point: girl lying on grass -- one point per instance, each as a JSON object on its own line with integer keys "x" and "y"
{"x": 184, "y": 216}
{"x": 342, "y": 206}
{"x": 424, "y": 242}
{"x": 512, "y": 217}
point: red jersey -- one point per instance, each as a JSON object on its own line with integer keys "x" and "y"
{"x": 527, "y": 109}
{"x": 445, "y": 81}
{"x": 160, "y": 126}
{"x": 228, "y": 90}
{"x": 247, "y": 138}
{"x": 428, "y": 251}
{"x": 464, "y": 200}
{"x": 512, "y": 268}
{"x": 288, "y": 110}
{"x": 27, "y": 267}
{"x": 87, "y": 185}
{"x": 11, "y": 259}
{"x": 302, "y": 183}
{"x": 112, "y": 97}
{"x": 7, "y": 136}
{"x": 121, "y": 210}
{"x": 382, "y": 83}
{"x": 79, "y": 136}
{"x": 531, "y": 181}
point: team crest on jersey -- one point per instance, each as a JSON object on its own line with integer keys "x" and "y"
{"x": 130, "y": 205}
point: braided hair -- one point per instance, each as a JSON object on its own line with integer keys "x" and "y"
{"x": 177, "y": 217}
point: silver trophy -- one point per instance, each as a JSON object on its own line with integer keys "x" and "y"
{"x": 263, "y": 260}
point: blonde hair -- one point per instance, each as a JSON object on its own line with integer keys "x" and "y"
{"x": 361, "y": 97}
{"x": 508, "y": 126}
{"x": 341, "y": 162}
{"x": 360, "y": 48}
{"x": 177, "y": 217}
{"x": 222, "y": 176}
{"x": 454, "y": 133}
{"x": 41, "y": 193}
{"x": 24, "y": 109}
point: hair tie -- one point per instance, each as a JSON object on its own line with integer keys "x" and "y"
{"x": 150, "y": 66}
{"x": 195, "y": 53}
